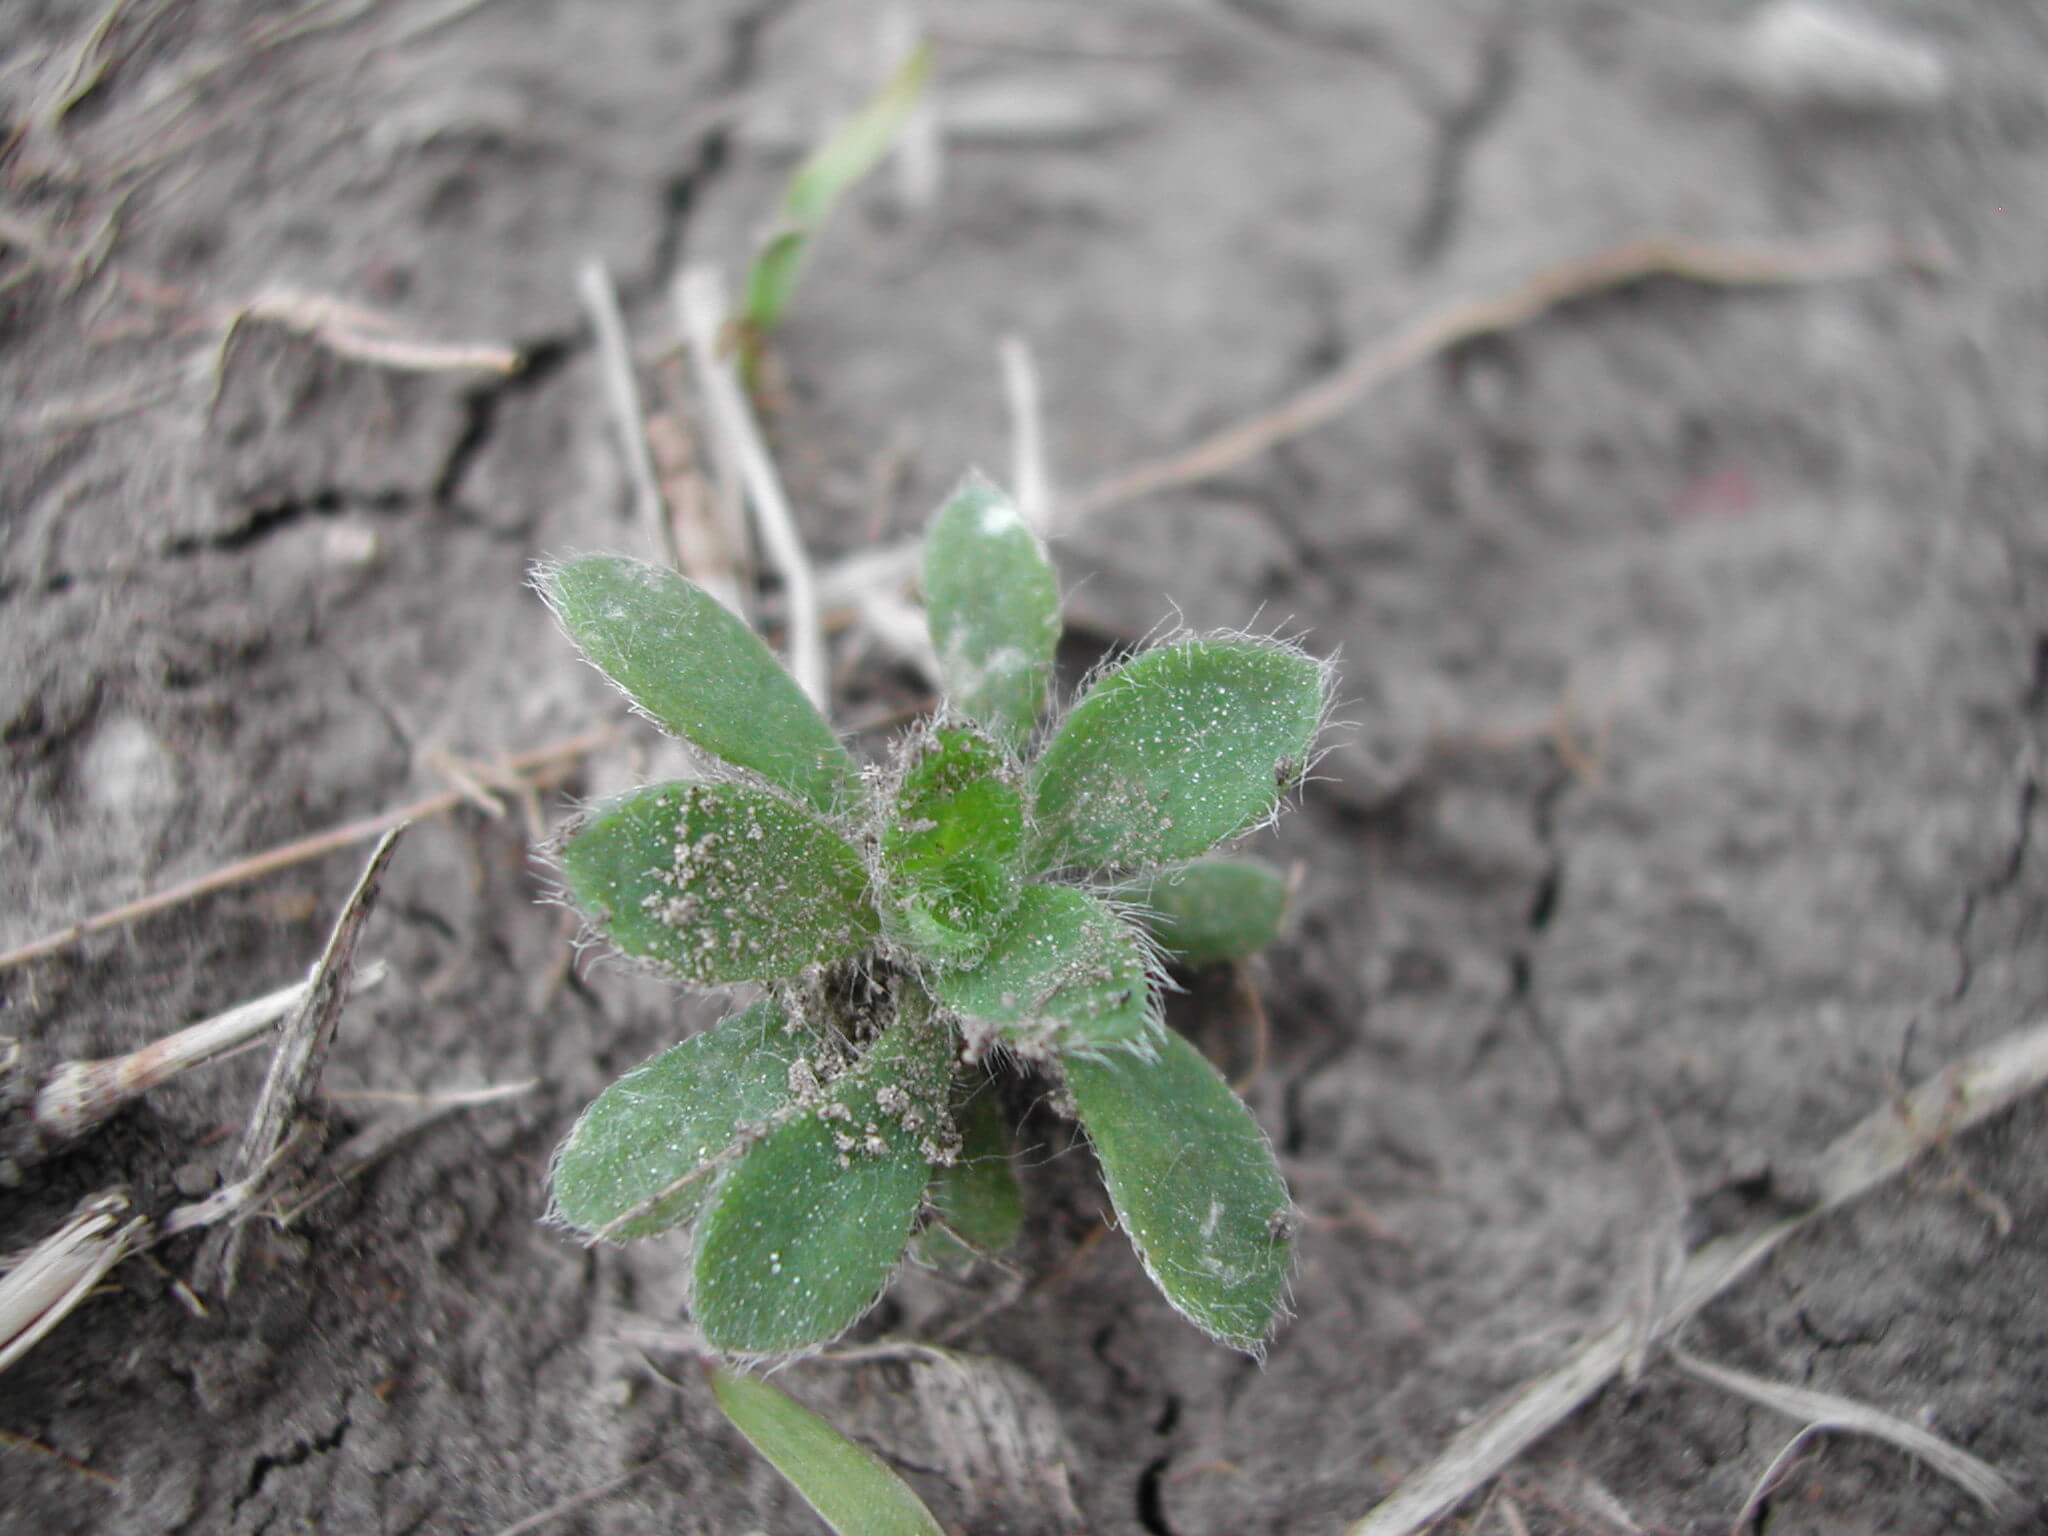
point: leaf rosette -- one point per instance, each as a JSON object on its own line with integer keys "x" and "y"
{"x": 976, "y": 898}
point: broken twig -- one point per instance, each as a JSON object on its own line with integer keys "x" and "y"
{"x": 524, "y": 767}
{"x": 295, "y": 1067}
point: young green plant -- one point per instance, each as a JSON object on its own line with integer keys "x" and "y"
{"x": 968, "y": 904}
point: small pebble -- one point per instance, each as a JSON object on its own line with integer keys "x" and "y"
{"x": 193, "y": 1180}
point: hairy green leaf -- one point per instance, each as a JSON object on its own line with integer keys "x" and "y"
{"x": 1215, "y": 909}
{"x": 993, "y": 604}
{"x": 642, "y": 1157}
{"x": 719, "y": 882}
{"x": 801, "y": 1235}
{"x": 854, "y": 148}
{"x": 697, "y": 670}
{"x": 1173, "y": 751}
{"x": 850, "y": 1487}
{"x": 977, "y": 1201}
{"x": 951, "y": 847}
{"x": 1194, "y": 1184}
{"x": 1066, "y": 973}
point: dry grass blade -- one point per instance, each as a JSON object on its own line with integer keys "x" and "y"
{"x": 365, "y": 336}
{"x": 524, "y": 770}
{"x": 1761, "y": 264}
{"x": 1825, "y": 1411}
{"x": 700, "y": 305}
{"x": 79, "y": 1095}
{"x": 43, "y": 1285}
{"x": 376, "y": 1141}
{"x": 1030, "y": 481}
{"x": 1774, "y": 263}
{"x": 1774, "y": 1477}
{"x": 70, "y": 1463}
{"x": 622, "y": 394}
{"x": 1877, "y": 1148}
{"x": 295, "y": 1067}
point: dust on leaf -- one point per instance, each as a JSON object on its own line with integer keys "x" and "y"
{"x": 719, "y": 882}
{"x": 1172, "y": 752}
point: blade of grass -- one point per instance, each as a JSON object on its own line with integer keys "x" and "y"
{"x": 847, "y": 1484}
{"x": 854, "y": 149}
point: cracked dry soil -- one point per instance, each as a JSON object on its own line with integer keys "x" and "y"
{"x": 1777, "y": 561}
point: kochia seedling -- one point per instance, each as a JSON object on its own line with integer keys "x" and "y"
{"x": 969, "y": 903}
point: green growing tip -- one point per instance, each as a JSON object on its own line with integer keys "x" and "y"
{"x": 993, "y": 604}
{"x": 1065, "y": 974}
{"x": 951, "y": 848}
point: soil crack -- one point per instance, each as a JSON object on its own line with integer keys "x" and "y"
{"x": 1994, "y": 885}
{"x": 1151, "y": 1503}
{"x": 1544, "y": 899}
{"x": 1459, "y": 119}
{"x": 1461, "y": 124}
{"x": 297, "y": 1455}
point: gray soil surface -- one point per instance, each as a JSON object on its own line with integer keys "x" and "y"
{"x": 1697, "y": 645}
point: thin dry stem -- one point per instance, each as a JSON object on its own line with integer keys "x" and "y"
{"x": 1875, "y": 1149}
{"x": 919, "y": 158}
{"x": 1781, "y": 1467}
{"x": 526, "y": 768}
{"x": 1030, "y": 479}
{"x": 1767, "y": 263}
{"x": 1857, "y": 253}
{"x": 622, "y": 395}
{"x": 69, "y": 1463}
{"x": 451, "y": 1098}
{"x": 1825, "y": 1411}
{"x": 1254, "y": 1007}
{"x": 574, "y": 1502}
{"x": 364, "y": 335}
{"x": 376, "y": 1141}
{"x": 709, "y": 545}
{"x": 701, "y": 307}
{"x": 79, "y": 1095}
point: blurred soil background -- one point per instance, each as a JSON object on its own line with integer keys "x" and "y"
{"x": 1696, "y": 641}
